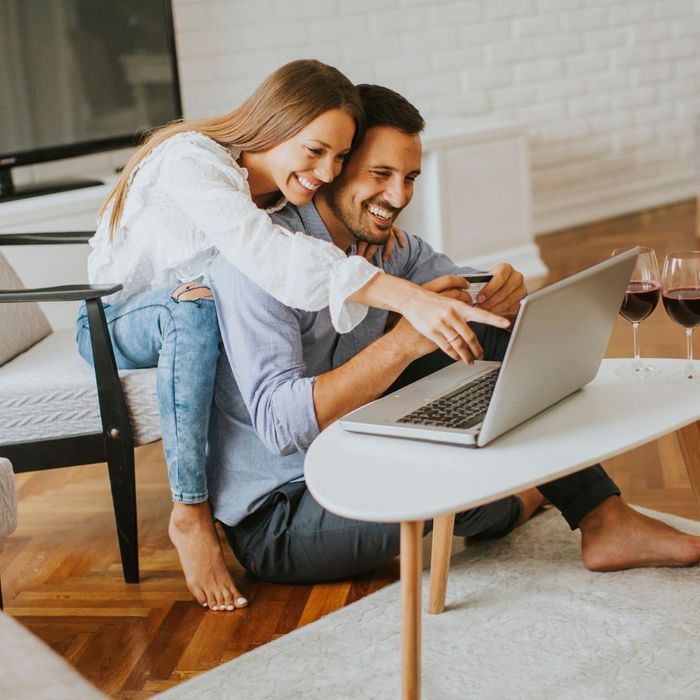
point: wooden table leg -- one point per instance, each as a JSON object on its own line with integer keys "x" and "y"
{"x": 411, "y": 573}
{"x": 440, "y": 562}
{"x": 689, "y": 439}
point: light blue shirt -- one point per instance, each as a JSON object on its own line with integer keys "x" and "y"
{"x": 263, "y": 417}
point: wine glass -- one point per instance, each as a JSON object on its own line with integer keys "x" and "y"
{"x": 681, "y": 295}
{"x": 641, "y": 298}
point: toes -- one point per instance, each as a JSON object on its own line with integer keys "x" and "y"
{"x": 199, "y": 595}
{"x": 212, "y": 601}
{"x": 220, "y": 604}
{"x": 240, "y": 601}
{"x": 228, "y": 600}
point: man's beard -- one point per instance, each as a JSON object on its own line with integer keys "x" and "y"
{"x": 355, "y": 218}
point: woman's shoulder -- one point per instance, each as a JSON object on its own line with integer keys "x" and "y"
{"x": 186, "y": 145}
{"x": 193, "y": 150}
{"x": 193, "y": 144}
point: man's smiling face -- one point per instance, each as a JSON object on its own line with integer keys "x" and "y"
{"x": 375, "y": 184}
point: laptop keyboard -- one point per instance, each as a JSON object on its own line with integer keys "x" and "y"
{"x": 461, "y": 408}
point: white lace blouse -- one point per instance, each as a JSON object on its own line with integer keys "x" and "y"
{"x": 189, "y": 200}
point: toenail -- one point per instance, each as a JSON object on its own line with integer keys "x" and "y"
{"x": 241, "y": 601}
{"x": 230, "y": 607}
{"x": 204, "y": 605}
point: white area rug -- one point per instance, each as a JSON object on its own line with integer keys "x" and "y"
{"x": 524, "y": 619}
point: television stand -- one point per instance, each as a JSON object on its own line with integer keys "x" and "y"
{"x": 9, "y": 191}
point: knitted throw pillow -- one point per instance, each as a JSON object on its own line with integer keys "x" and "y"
{"x": 21, "y": 325}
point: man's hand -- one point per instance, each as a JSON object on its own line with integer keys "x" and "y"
{"x": 503, "y": 293}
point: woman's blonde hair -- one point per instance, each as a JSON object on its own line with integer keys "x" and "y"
{"x": 286, "y": 101}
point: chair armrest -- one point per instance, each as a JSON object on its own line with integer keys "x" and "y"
{"x": 46, "y": 237}
{"x": 70, "y": 292}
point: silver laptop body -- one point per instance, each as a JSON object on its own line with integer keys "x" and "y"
{"x": 557, "y": 345}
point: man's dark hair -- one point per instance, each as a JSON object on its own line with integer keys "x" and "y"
{"x": 384, "y": 107}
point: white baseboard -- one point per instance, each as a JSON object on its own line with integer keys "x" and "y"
{"x": 524, "y": 258}
{"x": 615, "y": 201}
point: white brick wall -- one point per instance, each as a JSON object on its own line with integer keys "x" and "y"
{"x": 609, "y": 89}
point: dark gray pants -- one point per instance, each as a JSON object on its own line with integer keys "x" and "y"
{"x": 292, "y": 539}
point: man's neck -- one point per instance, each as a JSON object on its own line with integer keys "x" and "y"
{"x": 339, "y": 232}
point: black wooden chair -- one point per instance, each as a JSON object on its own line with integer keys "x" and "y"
{"x": 114, "y": 442}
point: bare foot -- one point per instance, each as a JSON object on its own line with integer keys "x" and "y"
{"x": 615, "y": 536}
{"x": 532, "y": 500}
{"x": 192, "y": 531}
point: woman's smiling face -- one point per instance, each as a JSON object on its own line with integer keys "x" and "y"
{"x": 312, "y": 157}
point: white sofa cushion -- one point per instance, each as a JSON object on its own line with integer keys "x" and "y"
{"x": 21, "y": 325}
{"x": 49, "y": 391}
{"x": 31, "y": 670}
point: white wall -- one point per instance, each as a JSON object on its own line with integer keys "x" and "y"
{"x": 609, "y": 89}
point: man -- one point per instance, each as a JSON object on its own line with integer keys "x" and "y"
{"x": 288, "y": 375}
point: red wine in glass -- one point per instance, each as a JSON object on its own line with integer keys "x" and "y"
{"x": 640, "y": 300}
{"x": 681, "y": 295}
{"x": 683, "y": 305}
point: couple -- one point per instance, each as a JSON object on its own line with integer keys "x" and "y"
{"x": 197, "y": 189}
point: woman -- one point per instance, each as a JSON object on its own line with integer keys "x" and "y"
{"x": 202, "y": 187}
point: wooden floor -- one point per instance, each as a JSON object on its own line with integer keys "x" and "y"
{"x": 61, "y": 575}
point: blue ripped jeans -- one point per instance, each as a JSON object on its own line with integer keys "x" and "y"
{"x": 180, "y": 338}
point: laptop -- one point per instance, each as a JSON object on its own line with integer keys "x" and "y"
{"x": 557, "y": 344}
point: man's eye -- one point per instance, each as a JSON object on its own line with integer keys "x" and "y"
{"x": 380, "y": 173}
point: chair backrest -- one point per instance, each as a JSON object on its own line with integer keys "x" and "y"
{"x": 21, "y": 325}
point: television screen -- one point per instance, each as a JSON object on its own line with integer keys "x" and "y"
{"x": 77, "y": 76}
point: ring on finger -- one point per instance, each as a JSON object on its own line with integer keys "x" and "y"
{"x": 452, "y": 340}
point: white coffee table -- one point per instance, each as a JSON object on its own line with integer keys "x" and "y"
{"x": 383, "y": 479}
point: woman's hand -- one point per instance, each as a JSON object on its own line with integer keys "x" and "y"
{"x": 440, "y": 311}
{"x": 368, "y": 250}
{"x": 431, "y": 311}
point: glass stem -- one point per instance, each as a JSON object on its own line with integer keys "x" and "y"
{"x": 689, "y": 369}
{"x": 637, "y": 365}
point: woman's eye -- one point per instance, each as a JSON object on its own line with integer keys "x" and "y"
{"x": 317, "y": 152}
